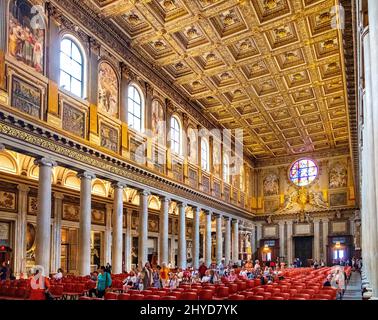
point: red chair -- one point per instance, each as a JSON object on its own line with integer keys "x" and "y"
{"x": 250, "y": 283}
{"x": 56, "y": 291}
{"x": 276, "y": 298}
{"x": 303, "y": 295}
{"x": 252, "y": 297}
{"x": 20, "y": 293}
{"x": 222, "y": 292}
{"x": 85, "y": 298}
{"x": 189, "y": 296}
{"x": 152, "y": 297}
{"x": 146, "y": 292}
{"x": 308, "y": 291}
{"x": 236, "y": 297}
{"x": 241, "y": 285}
{"x": 232, "y": 288}
{"x": 286, "y": 296}
{"x": 266, "y": 295}
{"x": 111, "y": 296}
{"x": 136, "y": 296}
{"x": 322, "y": 297}
{"x": 169, "y": 298}
{"x": 205, "y": 294}
{"x": 177, "y": 294}
{"x": 123, "y": 296}
{"x": 259, "y": 290}
{"x": 297, "y": 298}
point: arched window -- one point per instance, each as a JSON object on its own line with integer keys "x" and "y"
{"x": 204, "y": 154}
{"x": 175, "y": 135}
{"x": 135, "y": 109}
{"x": 226, "y": 169}
{"x": 72, "y": 67}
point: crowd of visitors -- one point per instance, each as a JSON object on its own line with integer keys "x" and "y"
{"x": 147, "y": 276}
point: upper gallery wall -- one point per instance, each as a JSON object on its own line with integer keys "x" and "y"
{"x": 56, "y": 74}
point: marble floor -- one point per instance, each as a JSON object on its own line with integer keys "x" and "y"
{"x": 353, "y": 290}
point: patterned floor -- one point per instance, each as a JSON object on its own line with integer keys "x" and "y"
{"x": 353, "y": 290}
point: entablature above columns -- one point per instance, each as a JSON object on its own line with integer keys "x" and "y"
{"x": 24, "y": 137}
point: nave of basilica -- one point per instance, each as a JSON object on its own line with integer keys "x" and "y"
{"x": 229, "y": 135}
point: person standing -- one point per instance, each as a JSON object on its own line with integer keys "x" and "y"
{"x": 39, "y": 285}
{"x": 164, "y": 275}
{"x": 147, "y": 276}
{"x": 3, "y": 271}
{"x": 104, "y": 281}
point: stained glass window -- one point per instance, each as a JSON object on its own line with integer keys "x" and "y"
{"x": 303, "y": 172}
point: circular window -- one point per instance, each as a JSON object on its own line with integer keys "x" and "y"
{"x": 303, "y": 172}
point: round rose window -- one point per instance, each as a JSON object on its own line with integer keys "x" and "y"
{"x": 303, "y": 172}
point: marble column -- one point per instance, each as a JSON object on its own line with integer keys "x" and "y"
{"x": 316, "y": 254}
{"x": 181, "y": 257}
{"x": 235, "y": 241}
{"x": 219, "y": 244}
{"x": 117, "y": 223}
{"x": 253, "y": 241}
{"x": 196, "y": 237}
{"x": 290, "y": 252}
{"x": 107, "y": 256}
{"x": 325, "y": 240}
{"x": 281, "y": 225}
{"x": 128, "y": 240}
{"x": 143, "y": 228}
{"x": 57, "y": 231}
{"x": 84, "y": 257}
{"x": 371, "y": 44}
{"x": 43, "y": 228}
{"x": 227, "y": 240}
{"x": 163, "y": 231}
{"x": 20, "y": 252}
{"x": 3, "y": 42}
{"x": 259, "y": 235}
{"x": 208, "y": 239}
{"x": 3, "y": 25}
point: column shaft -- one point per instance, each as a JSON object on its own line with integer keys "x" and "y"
{"x": 128, "y": 239}
{"x": 235, "y": 241}
{"x": 282, "y": 238}
{"x": 107, "y": 256}
{"x": 370, "y": 147}
{"x": 117, "y": 228}
{"x": 43, "y": 230}
{"x": 227, "y": 241}
{"x": 290, "y": 258}
{"x": 325, "y": 240}
{"x": 20, "y": 258}
{"x": 316, "y": 254}
{"x": 181, "y": 259}
{"x": 57, "y": 231}
{"x": 208, "y": 239}
{"x": 219, "y": 243}
{"x": 143, "y": 228}
{"x": 196, "y": 238}
{"x": 163, "y": 241}
{"x": 84, "y": 261}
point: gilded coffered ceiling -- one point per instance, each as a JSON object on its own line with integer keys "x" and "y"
{"x": 272, "y": 67}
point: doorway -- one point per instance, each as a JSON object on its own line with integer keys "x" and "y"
{"x": 303, "y": 250}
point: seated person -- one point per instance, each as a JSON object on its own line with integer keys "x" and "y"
{"x": 59, "y": 274}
